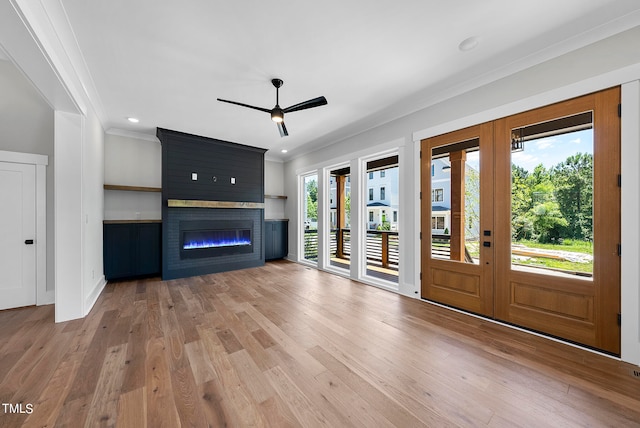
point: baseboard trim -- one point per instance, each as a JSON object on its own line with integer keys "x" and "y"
{"x": 92, "y": 297}
{"x": 46, "y": 298}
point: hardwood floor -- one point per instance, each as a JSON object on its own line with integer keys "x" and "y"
{"x": 284, "y": 345}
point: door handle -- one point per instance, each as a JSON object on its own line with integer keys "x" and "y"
{"x": 29, "y": 242}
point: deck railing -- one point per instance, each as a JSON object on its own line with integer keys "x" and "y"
{"x": 382, "y": 247}
{"x": 441, "y": 248}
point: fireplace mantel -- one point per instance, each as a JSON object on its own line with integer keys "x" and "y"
{"x": 188, "y": 203}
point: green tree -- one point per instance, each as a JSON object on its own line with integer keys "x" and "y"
{"x": 521, "y": 204}
{"x": 548, "y": 222}
{"x": 312, "y": 200}
{"x": 573, "y": 180}
{"x": 535, "y": 213}
{"x": 347, "y": 210}
{"x": 472, "y": 203}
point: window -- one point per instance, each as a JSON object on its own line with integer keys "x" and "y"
{"x": 433, "y": 170}
{"x": 309, "y": 213}
{"x": 437, "y": 222}
{"x": 437, "y": 195}
{"x": 381, "y": 242}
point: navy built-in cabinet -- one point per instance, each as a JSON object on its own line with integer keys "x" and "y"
{"x": 132, "y": 249}
{"x": 276, "y": 239}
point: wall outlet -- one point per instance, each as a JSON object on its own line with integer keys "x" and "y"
{"x": 194, "y": 176}
{"x": 233, "y": 180}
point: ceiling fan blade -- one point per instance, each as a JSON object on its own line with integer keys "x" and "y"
{"x": 282, "y": 129}
{"x": 316, "y": 102}
{"x": 266, "y": 110}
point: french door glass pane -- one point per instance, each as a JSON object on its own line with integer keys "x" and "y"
{"x": 382, "y": 242}
{"x": 340, "y": 218}
{"x": 310, "y": 216}
{"x": 552, "y": 197}
{"x": 455, "y": 203}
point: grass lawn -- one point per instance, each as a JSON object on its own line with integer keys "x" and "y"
{"x": 574, "y": 246}
{"x": 569, "y": 245}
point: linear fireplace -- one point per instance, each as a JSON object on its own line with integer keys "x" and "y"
{"x": 207, "y": 238}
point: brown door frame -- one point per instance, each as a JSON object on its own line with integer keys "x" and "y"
{"x": 573, "y": 308}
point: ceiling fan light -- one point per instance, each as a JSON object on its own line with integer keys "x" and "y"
{"x": 277, "y": 115}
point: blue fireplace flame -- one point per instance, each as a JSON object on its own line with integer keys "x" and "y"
{"x": 203, "y": 239}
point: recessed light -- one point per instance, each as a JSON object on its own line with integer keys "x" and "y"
{"x": 133, "y": 120}
{"x": 468, "y": 44}
{"x": 284, "y": 150}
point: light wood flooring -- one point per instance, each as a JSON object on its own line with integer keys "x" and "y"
{"x": 284, "y": 345}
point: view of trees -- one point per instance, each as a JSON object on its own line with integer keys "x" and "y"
{"x": 472, "y": 204}
{"x": 312, "y": 200}
{"x": 556, "y": 203}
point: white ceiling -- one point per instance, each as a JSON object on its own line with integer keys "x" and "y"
{"x": 166, "y": 62}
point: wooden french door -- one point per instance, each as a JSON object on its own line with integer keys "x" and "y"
{"x": 454, "y": 189}
{"x": 518, "y": 271}
{"x": 582, "y": 309}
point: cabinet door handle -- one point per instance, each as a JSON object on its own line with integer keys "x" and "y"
{"x": 29, "y": 242}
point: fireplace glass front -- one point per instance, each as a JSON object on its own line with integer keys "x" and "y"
{"x": 215, "y": 238}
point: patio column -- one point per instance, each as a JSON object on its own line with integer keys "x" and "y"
{"x": 458, "y": 160}
{"x": 340, "y": 214}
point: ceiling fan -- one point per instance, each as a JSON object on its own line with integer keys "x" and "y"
{"x": 277, "y": 113}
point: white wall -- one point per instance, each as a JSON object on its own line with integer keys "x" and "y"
{"x": 132, "y": 161}
{"x": 26, "y": 126}
{"x": 274, "y": 185}
{"x": 92, "y": 208}
{"x": 136, "y": 160}
{"x": 607, "y": 63}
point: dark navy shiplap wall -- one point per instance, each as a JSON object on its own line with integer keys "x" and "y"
{"x": 185, "y": 154}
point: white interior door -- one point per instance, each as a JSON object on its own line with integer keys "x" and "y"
{"x": 17, "y": 235}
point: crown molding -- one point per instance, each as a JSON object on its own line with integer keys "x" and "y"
{"x": 132, "y": 134}
{"x": 49, "y": 27}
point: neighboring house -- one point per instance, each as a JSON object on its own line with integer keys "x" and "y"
{"x": 382, "y": 198}
{"x": 441, "y": 199}
{"x": 440, "y": 196}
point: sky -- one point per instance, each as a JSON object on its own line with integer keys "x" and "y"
{"x": 553, "y": 150}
